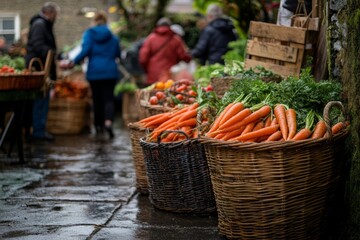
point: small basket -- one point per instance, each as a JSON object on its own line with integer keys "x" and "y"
{"x": 179, "y": 179}
{"x": 277, "y": 190}
{"x": 137, "y": 132}
{"x": 23, "y": 81}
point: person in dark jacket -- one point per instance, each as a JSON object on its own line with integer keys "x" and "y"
{"x": 214, "y": 39}
{"x": 41, "y": 39}
{"x": 102, "y": 48}
{"x": 161, "y": 50}
{"x": 288, "y": 8}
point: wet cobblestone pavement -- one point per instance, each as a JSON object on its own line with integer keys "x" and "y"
{"x": 82, "y": 188}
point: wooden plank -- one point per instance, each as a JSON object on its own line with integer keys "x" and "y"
{"x": 272, "y": 51}
{"x": 278, "y": 69}
{"x": 282, "y": 33}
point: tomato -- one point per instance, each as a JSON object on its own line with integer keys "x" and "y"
{"x": 160, "y": 95}
{"x": 181, "y": 88}
{"x": 209, "y": 88}
{"x": 192, "y": 93}
{"x": 153, "y": 100}
{"x": 179, "y": 97}
{"x": 191, "y": 100}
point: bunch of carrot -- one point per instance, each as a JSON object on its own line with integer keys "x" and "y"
{"x": 262, "y": 123}
{"x": 184, "y": 119}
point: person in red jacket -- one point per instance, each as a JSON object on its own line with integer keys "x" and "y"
{"x": 161, "y": 50}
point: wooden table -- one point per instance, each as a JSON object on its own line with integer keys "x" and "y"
{"x": 14, "y": 102}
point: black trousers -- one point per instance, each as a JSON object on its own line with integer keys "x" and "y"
{"x": 103, "y": 100}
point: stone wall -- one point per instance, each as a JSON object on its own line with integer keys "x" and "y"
{"x": 344, "y": 49}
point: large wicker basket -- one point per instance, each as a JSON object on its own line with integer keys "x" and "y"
{"x": 179, "y": 179}
{"x": 68, "y": 116}
{"x": 23, "y": 81}
{"x": 278, "y": 190}
{"x": 137, "y": 132}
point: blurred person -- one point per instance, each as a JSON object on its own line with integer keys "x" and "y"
{"x": 215, "y": 37}
{"x": 161, "y": 50}
{"x": 41, "y": 39}
{"x": 102, "y": 50}
{"x": 18, "y": 48}
{"x": 3, "y": 46}
{"x": 288, "y": 8}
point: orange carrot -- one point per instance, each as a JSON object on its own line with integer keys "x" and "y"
{"x": 217, "y": 121}
{"x": 230, "y": 123}
{"x": 155, "y": 134}
{"x": 249, "y": 127}
{"x": 219, "y": 136}
{"x": 306, "y": 131}
{"x": 148, "y": 119}
{"x": 259, "y": 133}
{"x": 280, "y": 115}
{"x": 291, "y": 122}
{"x": 256, "y": 115}
{"x": 236, "y": 108}
{"x": 302, "y": 134}
{"x": 319, "y": 130}
{"x": 268, "y": 121}
{"x": 195, "y": 133}
{"x": 191, "y": 122}
{"x": 337, "y": 127}
{"x": 157, "y": 121}
{"x": 188, "y": 114}
{"x": 187, "y": 130}
{"x": 233, "y": 134}
{"x": 275, "y": 136}
{"x": 274, "y": 121}
{"x": 258, "y": 126}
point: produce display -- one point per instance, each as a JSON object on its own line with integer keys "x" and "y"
{"x": 71, "y": 88}
{"x": 183, "y": 119}
{"x": 172, "y": 93}
{"x": 252, "y": 110}
{"x": 12, "y": 65}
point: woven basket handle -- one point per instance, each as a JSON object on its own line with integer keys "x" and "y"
{"x": 326, "y": 116}
{"x": 169, "y": 131}
{"x": 33, "y": 60}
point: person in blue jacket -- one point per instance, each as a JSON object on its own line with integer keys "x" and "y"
{"x": 214, "y": 39}
{"x": 102, "y": 49}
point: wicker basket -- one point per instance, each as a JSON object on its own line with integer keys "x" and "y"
{"x": 179, "y": 179}
{"x": 23, "y": 81}
{"x": 137, "y": 132}
{"x": 153, "y": 109}
{"x": 68, "y": 116}
{"x": 278, "y": 190}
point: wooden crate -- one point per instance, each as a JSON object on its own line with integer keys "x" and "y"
{"x": 278, "y": 48}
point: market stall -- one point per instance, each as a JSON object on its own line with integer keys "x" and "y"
{"x": 18, "y": 85}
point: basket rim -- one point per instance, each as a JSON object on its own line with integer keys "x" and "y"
{"x": 276, "y": 145}
{"x": 29, "y": 74}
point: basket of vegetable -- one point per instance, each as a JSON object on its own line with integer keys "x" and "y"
{"x": 276, "y": 189}
{"x": 137, "y": 131}
{"x": 69, "y": 109}
{"x": 175, "y": 162}
{"x": 179, "y": 179}
{"x": 14, "y": 76}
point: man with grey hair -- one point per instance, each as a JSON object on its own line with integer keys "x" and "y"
{"x": 214, "y": 39}
{"x": 41, "y": 39}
